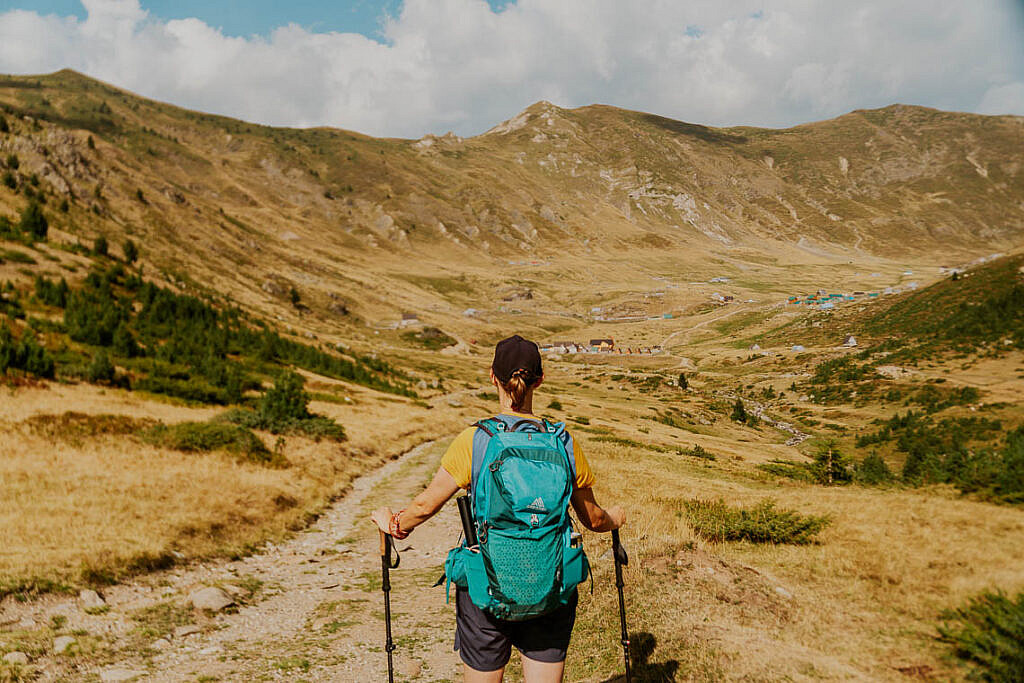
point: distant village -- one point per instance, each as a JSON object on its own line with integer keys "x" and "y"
{"x": 606, "y": 346}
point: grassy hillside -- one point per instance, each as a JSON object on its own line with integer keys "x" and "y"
{"x": 980, "y": 308}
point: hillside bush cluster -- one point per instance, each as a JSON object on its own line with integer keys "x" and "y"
{"x": 844, "y": 380}
{"x": 181, "y": 346}
{"x": 831, "y": 467}
{"x": 284, "y": 409}
{"x": 959, "y": 451}
{"x": 714, "y": 520}
{"x": 24, "y": 354}
{"x": 963, "y": 314}
{"x": 32, "y": 224}
{"x": 988, "y": 632}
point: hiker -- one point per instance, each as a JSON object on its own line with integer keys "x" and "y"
{"x": 484, "y": 641}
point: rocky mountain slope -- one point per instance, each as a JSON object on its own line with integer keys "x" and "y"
{"x": 362, "y": 228}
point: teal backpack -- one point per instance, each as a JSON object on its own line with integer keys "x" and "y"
{"x": 526, "y": 563}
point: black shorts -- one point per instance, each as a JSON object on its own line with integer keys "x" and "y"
{"x": 485, "y": 643}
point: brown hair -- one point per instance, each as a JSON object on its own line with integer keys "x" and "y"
{"x": 517, "y": 386}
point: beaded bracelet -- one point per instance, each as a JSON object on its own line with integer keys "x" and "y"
{"x": 395, "y": 529}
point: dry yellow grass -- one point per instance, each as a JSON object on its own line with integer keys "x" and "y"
{"x": 95, "y": 508}
{"x": 865, "y": 601}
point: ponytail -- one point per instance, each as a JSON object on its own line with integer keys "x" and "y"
{"x": 517, "y": 387}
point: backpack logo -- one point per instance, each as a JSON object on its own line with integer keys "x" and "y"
{"x": 537, "y": 504}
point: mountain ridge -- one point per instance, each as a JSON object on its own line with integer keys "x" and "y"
{"x": 256, "y": 210}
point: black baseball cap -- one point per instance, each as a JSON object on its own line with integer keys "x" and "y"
{"x": 516, "y": 353}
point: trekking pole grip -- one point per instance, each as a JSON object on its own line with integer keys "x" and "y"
{"x": 385, "y": 561}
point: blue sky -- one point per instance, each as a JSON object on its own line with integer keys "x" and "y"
{"x": 253, "y": 17}
{"x": 409, "y": 67}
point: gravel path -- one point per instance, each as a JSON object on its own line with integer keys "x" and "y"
{"x": 309, "y": 609}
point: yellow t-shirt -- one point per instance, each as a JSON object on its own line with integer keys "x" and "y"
{"x": 458, "y": 459}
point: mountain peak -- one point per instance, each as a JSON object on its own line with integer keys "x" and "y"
{"x": 541, "y": 109}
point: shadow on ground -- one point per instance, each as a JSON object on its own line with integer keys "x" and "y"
{"x": 641, "y": 647}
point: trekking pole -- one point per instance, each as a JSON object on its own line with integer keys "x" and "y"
{"x": 385, "y": 584}
{"x": 621, "y": 560}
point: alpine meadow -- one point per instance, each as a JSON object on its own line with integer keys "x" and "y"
{"x": 795, "y": 357}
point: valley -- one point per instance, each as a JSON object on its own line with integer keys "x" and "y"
{"x": 222, "y": 341}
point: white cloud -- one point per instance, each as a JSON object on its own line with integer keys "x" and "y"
{"x": 1003, "y": 99}
{"x": 456, "y": 64}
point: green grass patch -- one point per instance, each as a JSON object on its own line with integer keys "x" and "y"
{"x": 15, "y": 256}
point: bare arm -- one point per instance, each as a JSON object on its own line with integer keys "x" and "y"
{"x": 592, "y": 515}
{"x": 424, "y": 506}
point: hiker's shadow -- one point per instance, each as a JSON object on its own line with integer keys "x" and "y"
{"x": 641, "y": 647}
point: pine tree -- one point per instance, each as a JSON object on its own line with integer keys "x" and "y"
{"x": 286, "y": 400}
{"x": 33, "y": 222}
{"x": 131, "y": 252}
{"x": 101, "y": 369}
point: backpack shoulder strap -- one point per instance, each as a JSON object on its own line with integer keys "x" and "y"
{"x": 486, "y": 429}
{"x": 567, "y": 443}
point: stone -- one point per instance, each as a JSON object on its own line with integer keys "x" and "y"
{"x": 160, "y": 644}
{"x": 18, "y": 658}
{"x": 115, "y": 675}
{"x": 90, "y": 599}
{"x": 186, "y": 631}
{"x": 408, "y": 667}
{"x": 62, "y": 643}
{"x": 26, "y": 624}
{"x": 783, "y": 592}
{"x": 210, "y": 598}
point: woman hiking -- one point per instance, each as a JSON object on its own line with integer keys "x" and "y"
{"x": 484, "y": 641}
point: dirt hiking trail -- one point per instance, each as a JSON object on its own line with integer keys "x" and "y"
{"x": 308, "y": 609}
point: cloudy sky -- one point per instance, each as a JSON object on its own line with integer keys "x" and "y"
{"x": 406, "y": 68}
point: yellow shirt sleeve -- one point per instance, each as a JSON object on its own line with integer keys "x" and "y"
{"x": 584, "y": 475}
{"x": 458, "y": 461}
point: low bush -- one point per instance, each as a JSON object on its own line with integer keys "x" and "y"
{"x": 315, "y": 427}
{"x": 429, "y": 338}
{"x": 195, "y": 390}
{"x": 761, "y": 523}
{"x": 698, "y": 451}
{"x": 989, "y": 633}
{"x": 200, "y": 437}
